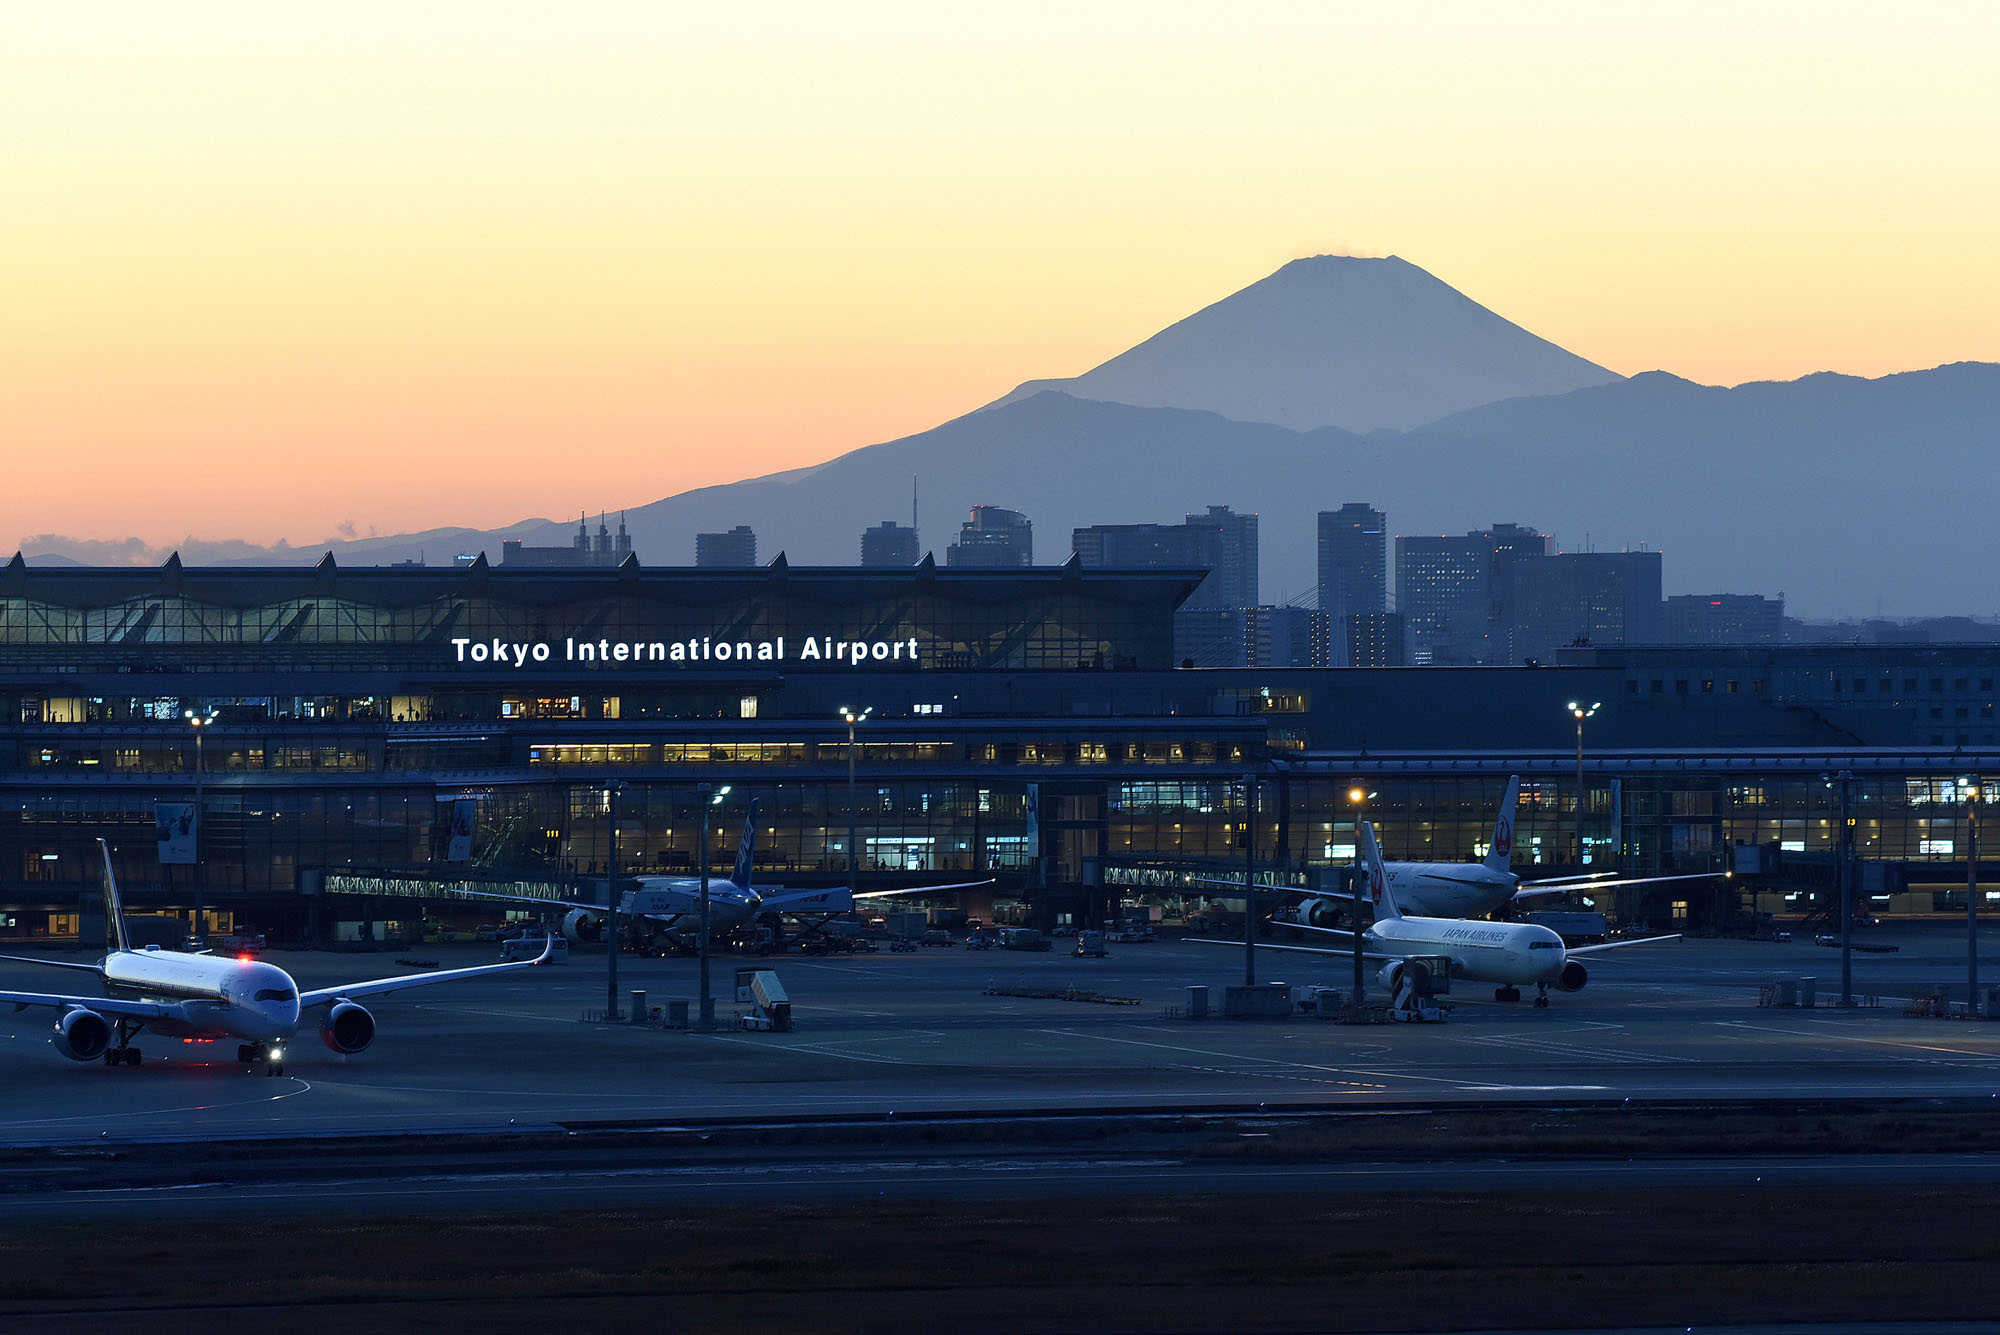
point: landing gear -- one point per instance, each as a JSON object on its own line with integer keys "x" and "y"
{"x": 1506, "y": 994}
{"x": 1542, "y": 996}
{"x": 272, "y": 1057}
{"x": 124, "y": 1054}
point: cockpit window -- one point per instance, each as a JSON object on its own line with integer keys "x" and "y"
{"x": 1545, "y": 945}
{"x": 276, "y": 994}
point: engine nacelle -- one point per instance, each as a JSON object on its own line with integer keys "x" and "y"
{"x": 347, "y": 1028}
{"x": 1393, "y": 974}
{"x": 1323, "y": 913}
{"x": 581, "y": 925}
{"x": 82, "y": 1035}
{"x": 1572, "y": 978}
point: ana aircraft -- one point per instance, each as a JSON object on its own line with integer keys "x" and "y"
{"x": 1467, "y": 889}
{"x": 208, "y": 997}
{"x": 669, "y": 907}
{"x": 1511, "y": 955}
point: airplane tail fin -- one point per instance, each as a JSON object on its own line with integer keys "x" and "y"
{"x": 1500, "y": 853}
{"x": 114, "y": 916}
{"x": 1379, "y": 893}
{"x": 746, "y": 850}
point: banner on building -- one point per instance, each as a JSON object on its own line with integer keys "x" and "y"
{"x": 174, "y": 827}
{"x": 463, "y": 813}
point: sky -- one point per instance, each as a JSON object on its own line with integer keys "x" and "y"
{"x": 296, "y": 272}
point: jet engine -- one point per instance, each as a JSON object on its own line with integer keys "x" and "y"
{"x": 82, "y": 1035}
{"x": 581, "y": 925}
{"x": 347, "y": 1027}
{"x": 1572, "y": 978}
{"x": 1393, "y": 973}
{"x": 1323, "y": 913}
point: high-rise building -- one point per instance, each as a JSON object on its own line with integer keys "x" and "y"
{"x": 1725, "y": 618}
{"x": 1453, "y": 593}
{"x": 1353, "y": 560}
{"x": 889, "y": 544}
{"x": 1376, "y": 639}
{"x": 737, "y": 548}
{"x": 993, "y": 538}
{"x": 606, "y": 550}
{"x": 1286, "y": 637}
{"x": 1210, "y": 628}
{"x": 1585, "y": 598}
{"x": 1232, "y": 580}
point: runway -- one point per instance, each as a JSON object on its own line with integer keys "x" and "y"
{"x": 917, "y": 1033}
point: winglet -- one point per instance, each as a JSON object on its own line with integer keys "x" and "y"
{"x": 1379, "y": 893}
{"x": 1500, "y": 853}
{"x": 114, "y": 917}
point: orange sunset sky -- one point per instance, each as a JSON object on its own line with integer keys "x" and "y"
{"x": 272, "y": 270}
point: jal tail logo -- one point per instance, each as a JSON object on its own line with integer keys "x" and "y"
{"x": 1375, "y": 885}
{"x": 1503, "y": 838}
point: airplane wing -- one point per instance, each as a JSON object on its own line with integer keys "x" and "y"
{"x": 138, "y": 1010}
{"x": 921, "y": 889}
{"x": 1557, "y": 884}
{"x": 1312, "y": 950}
{"x": 320, "y": 996}
{"x": 53, "y": 964}
{"x": 1620, "y": 945}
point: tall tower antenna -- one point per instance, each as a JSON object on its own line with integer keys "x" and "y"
{"x": 913, "y": 504}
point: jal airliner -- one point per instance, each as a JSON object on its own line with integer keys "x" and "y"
{"x": 209, "y": 997}
{"x": 1511, "y": 955}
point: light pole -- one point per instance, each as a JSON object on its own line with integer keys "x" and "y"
{"x": 198, "y": 722}
{"x": 709, "y": 798}
{"x": 611, "y": 931}
{"x": 1580, "y": 712}
{"x": 1844, "y": 850}
{"x": 1249, "y": 880}
{"x": 1972, "y": 896}
{"x": 852, "y": 719}
{"x": 1356, "y": 796}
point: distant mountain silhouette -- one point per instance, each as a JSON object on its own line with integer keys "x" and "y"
{"x": 1851, "y": 496}
{"x": 1333, "y": 341}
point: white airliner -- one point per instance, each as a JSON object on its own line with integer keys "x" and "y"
{"x": 1511, "y": 955}
{"x": 208, "y": 997}
{"x": 1467, "y": 889}
{"x": 670, "y": 906}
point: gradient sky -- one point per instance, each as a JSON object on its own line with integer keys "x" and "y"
{"x": 270, "y": 270}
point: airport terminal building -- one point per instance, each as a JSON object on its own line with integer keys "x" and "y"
{"x": 1025, "y": 724}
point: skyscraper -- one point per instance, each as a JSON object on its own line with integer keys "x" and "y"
{"x": 993, "y": 538}
{"x": 1210, "y": 629}
{"x": 736, "y": 548}
{"x": 1353, "y": 560}
{"x": 1585, "y": 597}
{"x": 889, "y": 544}
{"x": 1453, "y": 592}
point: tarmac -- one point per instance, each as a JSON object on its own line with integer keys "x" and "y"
{"x": 925, "y": 1032}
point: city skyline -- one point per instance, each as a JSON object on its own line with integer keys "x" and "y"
{"x": 432, "y": 258}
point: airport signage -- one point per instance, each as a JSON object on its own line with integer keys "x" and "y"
{"x": 819, "y": 650}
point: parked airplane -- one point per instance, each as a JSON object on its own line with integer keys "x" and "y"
{"x": 1508, "y": 954}
{"x": 1466, "y": 889}
{"x": 208, "y": 997}
{"x": 670, "y": 906}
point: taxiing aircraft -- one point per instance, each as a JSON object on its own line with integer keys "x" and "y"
{"x": 208, "y": 997}
{"x": 670, "y": 906}
{"x": 1511, "y": 955}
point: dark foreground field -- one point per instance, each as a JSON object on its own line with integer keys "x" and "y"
{"x": 1668, "y": 1257}
{"x": 1582, "y": 1255}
